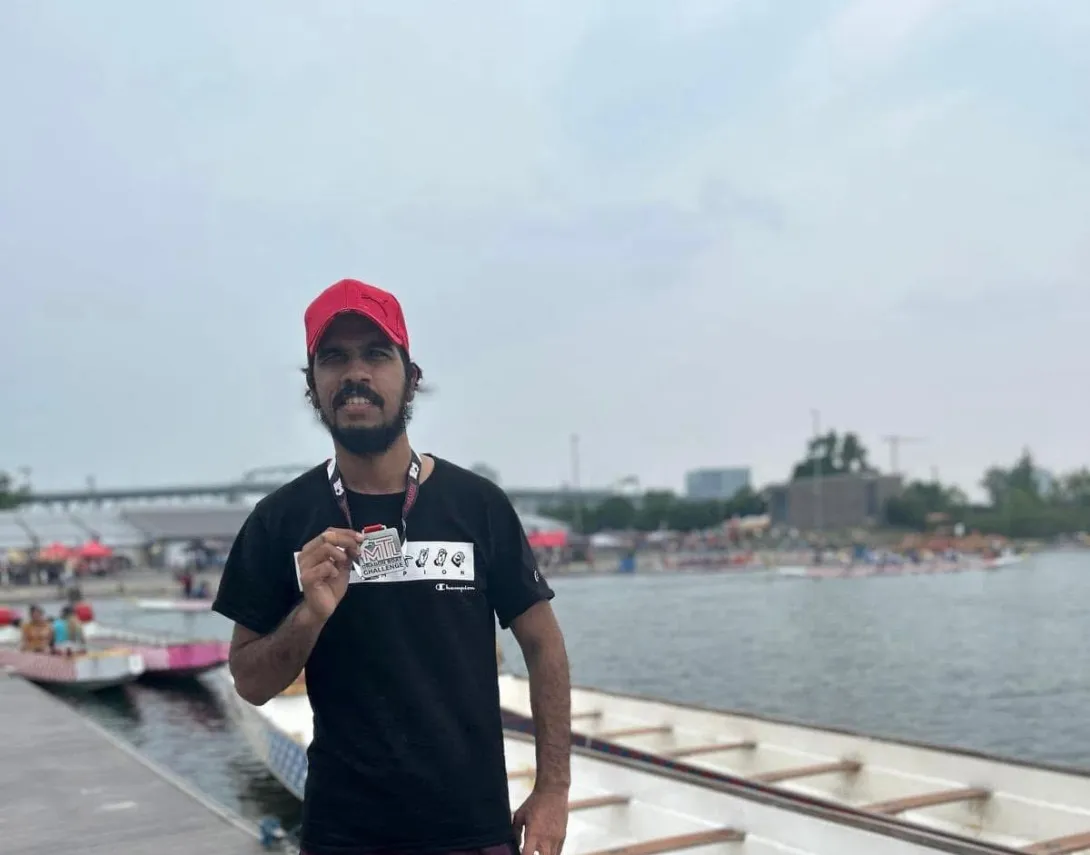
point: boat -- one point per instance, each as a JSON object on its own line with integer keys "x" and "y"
{"x": 193, "y": 605}
{"x": 998, "y": 801}
{"x": 862, "y": 570}
{"x": 622, "y": 806}
{"x": 89, "y": 671}
{"x": 164, "y": 655}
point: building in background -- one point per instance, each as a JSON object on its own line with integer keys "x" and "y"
{"x": 705, "y": 484}
{"x": 833, "y": 502}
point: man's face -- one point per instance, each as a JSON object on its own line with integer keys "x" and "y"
{"x": 362, "y": 390}
{"x": 36, "y": 615}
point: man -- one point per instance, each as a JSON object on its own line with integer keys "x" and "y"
{"x": 383, "y": 573}
{"x": 37, "y": 632}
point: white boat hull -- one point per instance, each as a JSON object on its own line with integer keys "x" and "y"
{"x": 1017, "y": 805}
{"x": 622, "y": 803}
{"x": 174, "y": 605}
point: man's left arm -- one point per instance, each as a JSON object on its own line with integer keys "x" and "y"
{"x": 542, "y": 820}
{"x": 520, "y": 596}
{"x": 542, "y": 643}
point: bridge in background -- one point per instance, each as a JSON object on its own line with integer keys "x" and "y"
{"x": 249, "y": 488}
{"x": 130, "y": 518}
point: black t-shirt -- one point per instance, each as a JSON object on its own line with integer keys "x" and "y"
{"x": 408, "y": 741}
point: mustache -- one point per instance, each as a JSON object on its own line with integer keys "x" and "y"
{"x": 357, "y": 390}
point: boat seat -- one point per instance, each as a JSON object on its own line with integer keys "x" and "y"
{"x": 676, "y": 843}
{"x": 635, "y": 731}
{"x": 597, "y": 802}
{"x": 1060, "y": 845}
{"x": 711, "y": 748}
{"x": 925, "y": 800}
{"x": 850, "y": 766}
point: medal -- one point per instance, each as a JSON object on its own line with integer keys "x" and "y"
{"x": 380, "y": 553}
{"x": 382, "y": 550}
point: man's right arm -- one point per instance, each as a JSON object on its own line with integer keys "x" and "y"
{"x": 273, "y": 633}
{"x": 264, "y": 665}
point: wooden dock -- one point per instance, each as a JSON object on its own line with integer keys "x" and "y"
{"x": 67, "y": 786}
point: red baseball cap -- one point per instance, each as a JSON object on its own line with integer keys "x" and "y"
{"x": 351, "y": 295}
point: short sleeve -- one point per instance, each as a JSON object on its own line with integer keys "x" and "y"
{"x": 256, "y": 587}
{"x": 514, "y": 580}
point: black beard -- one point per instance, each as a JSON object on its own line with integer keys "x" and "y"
{"x": 370, "y": 441}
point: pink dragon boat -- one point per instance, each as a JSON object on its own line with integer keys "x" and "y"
{"x": 164, "y": 654}
{"x": 88, "y": 670}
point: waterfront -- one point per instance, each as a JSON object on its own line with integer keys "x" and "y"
{"x": 981, "y": 660}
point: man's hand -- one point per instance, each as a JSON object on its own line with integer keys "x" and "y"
{"x": 325, "y": 564}
{"x": 544, "y": 818}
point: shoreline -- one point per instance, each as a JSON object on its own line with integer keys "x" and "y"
{"x": 130, "y": 583}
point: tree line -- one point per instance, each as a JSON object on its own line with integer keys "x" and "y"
{"x": 10, "y": 496}
{"x": 1022, "y": 501}
{"x": 653, "y": 510}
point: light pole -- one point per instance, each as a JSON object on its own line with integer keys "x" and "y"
{"x": 818, "y": 522}
{"x": 575, "y": 482}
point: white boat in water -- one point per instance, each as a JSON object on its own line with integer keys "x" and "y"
{"x": 193, "y": 605}
{"x": 1023, "y": 807}
{"x": 628, "y": 807}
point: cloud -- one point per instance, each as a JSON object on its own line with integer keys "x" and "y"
{"x": 672, "y": 228}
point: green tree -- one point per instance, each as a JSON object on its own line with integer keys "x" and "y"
{"x": 616, "y": 513}
{"x": 1023, "y": 476}
{"x": 746, "y": 503}
{"x": 919, "y": 500}
{"x": 832, "y": 454}
{"x": 853, "y": 455}
{"x": 1074, "y": 488}
{"x": 654, "y": 511}
{"x": 10, "y": 496}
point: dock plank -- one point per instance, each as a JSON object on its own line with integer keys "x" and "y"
{"x": 67, "y": 788}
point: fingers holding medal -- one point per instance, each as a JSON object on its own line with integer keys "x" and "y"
{"x": 325, "y": 564}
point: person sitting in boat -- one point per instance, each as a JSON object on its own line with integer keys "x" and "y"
{"x": 68, "y": 631}
{"x": 37, "y": 632}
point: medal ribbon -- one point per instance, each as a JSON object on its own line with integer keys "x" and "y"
{"x": 412, "y": 489}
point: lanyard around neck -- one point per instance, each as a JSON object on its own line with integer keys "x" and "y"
{"x": 412, "y": 489}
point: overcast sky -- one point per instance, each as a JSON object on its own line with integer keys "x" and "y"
{"x": 673, "y": 228}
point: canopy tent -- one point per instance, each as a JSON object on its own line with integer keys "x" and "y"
{"x": 94, "y": 549}
{"x": 55, "y": 552}
{"x": 554, "y": 538}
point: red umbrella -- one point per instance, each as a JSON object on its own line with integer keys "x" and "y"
{"x": 94, "y": 549}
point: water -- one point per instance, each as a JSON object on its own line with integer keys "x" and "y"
{"x": 991, "y": 661}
